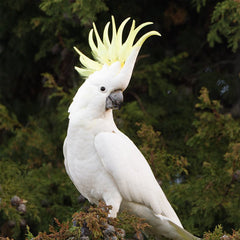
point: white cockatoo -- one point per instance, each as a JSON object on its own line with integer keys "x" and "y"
{"x": 102, "y": 162}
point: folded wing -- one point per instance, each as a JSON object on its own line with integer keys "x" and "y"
{"x": 132, "y": 174}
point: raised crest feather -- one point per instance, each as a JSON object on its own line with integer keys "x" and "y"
{"x": 106, "y": 51}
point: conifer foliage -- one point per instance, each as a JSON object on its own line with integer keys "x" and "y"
{"x": 182, "y": 109}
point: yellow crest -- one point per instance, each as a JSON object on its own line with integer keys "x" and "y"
{"x": 108, "y": 52}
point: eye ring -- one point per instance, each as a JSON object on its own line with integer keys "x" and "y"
{"x": 103, "y": 89}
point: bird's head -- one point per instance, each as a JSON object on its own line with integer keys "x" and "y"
{"x": 108, "y": 75}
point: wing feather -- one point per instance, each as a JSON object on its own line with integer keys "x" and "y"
{"x": 132, "y": 174}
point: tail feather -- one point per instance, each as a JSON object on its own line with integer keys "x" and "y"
{"x": 160, "y": 225}
{"x": 184, "y": 233}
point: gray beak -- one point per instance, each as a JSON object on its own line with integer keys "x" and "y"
{"x": 114, "y": 100}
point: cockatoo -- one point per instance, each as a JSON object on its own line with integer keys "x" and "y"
{"x": 102, "y": 162}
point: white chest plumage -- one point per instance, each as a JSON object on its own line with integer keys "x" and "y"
{"x": 82, "y": 161}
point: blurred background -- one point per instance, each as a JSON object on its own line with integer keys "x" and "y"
{"x": 182, "y": 107}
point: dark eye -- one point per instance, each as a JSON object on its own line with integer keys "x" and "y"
{"x": 103, "y": 89}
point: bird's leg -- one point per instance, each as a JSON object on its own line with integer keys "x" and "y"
{"x": 113, "y": 212}
{"x": 114, "y": 200}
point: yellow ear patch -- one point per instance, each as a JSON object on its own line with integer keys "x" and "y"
{"x": 108, "y": 52}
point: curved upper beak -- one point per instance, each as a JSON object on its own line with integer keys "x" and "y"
{"x": 114, "y": 100}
